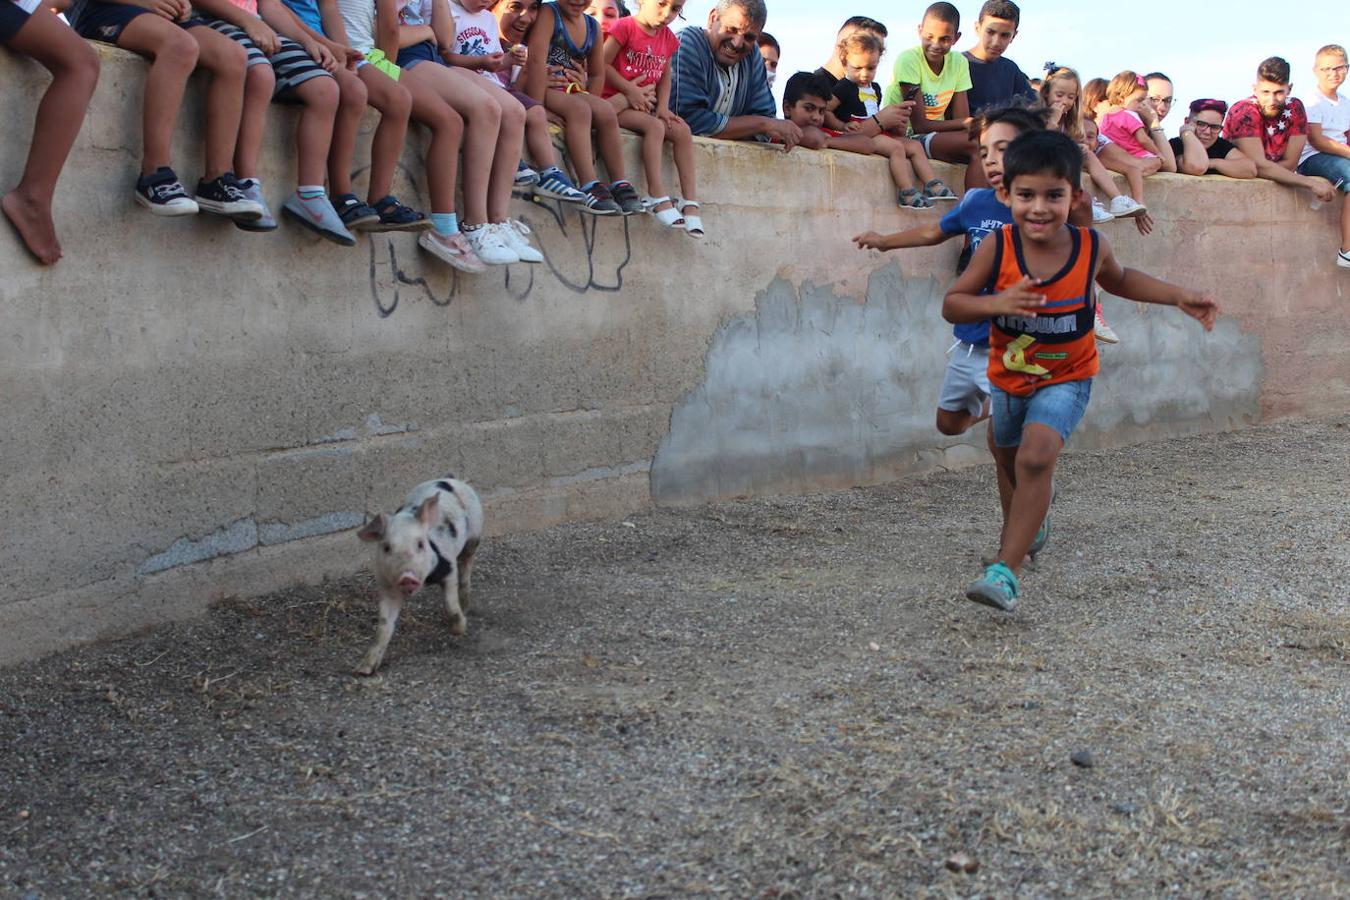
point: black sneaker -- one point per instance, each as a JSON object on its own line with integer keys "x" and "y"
{"x": 599, "y": 201}
{"x": 394, "y": 216}
{"x": 355, "y": 214}
{"x": 224, "y": 196}
{"x": 163, "y": 194}
{"x": 627, "y": 197}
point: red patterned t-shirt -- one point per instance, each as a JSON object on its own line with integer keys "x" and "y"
{"x": 643, "y": 57}
{"x": 1245, "y": 120}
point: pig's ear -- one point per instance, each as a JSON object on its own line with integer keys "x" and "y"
{"x": 429, "y": 513}
{"x": 373, "y": 530}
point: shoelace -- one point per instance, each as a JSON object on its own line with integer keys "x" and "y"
{"x": 167, "y": 191}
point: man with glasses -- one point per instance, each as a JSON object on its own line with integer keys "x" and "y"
{"x": 1200, "y": 149}
{"x": 1327, "y": 153}
{"x": 1159, "y": 97}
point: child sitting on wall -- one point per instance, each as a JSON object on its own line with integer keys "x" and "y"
{"x": 563, "y": 35}
{"x": 856, "y": 99}
{"x": 806, "y": 99}
{"x": 177, "y": 43}
{"x": 1131, "y": 124}
{"x": 34, "y": 30}
{"x": 638, "y": 50}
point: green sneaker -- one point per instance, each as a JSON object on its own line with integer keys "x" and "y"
{"x": 998, "y": 588}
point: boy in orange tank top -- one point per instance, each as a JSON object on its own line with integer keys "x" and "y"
{"x": 1033, "y": 281}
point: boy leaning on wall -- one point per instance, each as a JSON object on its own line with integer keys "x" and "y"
{"x": 1327, "y": 153}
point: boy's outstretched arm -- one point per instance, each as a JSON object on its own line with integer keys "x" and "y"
{"x": 1135, "y": 285}
{"x": 964, "y": 303}
{"x": 924, "y": 236}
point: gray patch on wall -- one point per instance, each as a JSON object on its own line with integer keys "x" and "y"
{"x": 813, "y": 391}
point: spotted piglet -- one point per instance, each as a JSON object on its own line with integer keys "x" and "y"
{"x": 430, "y": 540}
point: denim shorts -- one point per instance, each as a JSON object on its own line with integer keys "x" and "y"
{"x": 418, "y": 54}
{"x": 1058, "y": 406}
{"x": 1329, "y": 166}
{"x": 966, "y": 383}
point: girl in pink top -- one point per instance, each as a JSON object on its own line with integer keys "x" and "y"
{"x": 1131, "y": 124}
{"x": 638, "y": 50}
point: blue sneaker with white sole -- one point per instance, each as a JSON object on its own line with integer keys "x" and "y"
{"x": 998, "y": 588}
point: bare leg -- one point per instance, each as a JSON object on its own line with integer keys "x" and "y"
{"x": 447, "y": 133}
{"x": 653, "y": 133}
{"x": 1117, "y": 160}
{"x": 173, "y": 56}
{"x": 1100, "y": 177}
{"x": 74, "y": 68}
{"x": 605, "y": 121}
{"x": 227, "y": 62}
{"x": 901, "y": 171}
{"x": 482, "y": 122}
{"x": 314, "y": 135}
{"x": 346, "y": 125}
{"x": 923, "y": 169}
{"x": 576, "y": 116}
{"x": 391, "y": 604}
{"x": 1345, "y": 222}
{"x": 259, "y": 82}
{"x": 1033, "y": 469}
{"x": 395, "y": 105}
{"x": 537, "y": 139}
{"x": 681, "y": 139}
{"x": 510, "y": 144}
{"x": 955, "y": 147}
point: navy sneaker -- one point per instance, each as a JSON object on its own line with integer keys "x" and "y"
{"x": 394, "y": 216}
{"x": 555, "y": 185}
{"x": 225, "y": 196}
{"x": 600, "y": 202}
{"x": 163, "y": 194}
{"x": 627, "y": 197}
{"x": 354, "y": 214}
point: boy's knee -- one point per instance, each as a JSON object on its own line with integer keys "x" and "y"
{"x": 398, "y": 103}
{"x": 536, "y": 117}
{"x": 177, "y": 50}
{"x": 353, "y": 93}
{"x": 260, "y": 82}
{"x": 603, "y": 115}
{"x": 320, "y": 93}
{"x": 513, "y": 113}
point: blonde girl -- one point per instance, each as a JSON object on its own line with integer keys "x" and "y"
{"x": 1060, "y": 93}
{"x": 1132, "y": 125}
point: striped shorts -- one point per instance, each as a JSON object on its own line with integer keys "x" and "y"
{"x": 291, "y": 64}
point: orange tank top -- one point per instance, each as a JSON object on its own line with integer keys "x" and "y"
{"x": 1057, "y": 345}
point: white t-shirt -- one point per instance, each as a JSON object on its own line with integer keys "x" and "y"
{"x": 476, "y": 34}
{"x": 1333, "y": 116}
{"x": 358, "y": 17}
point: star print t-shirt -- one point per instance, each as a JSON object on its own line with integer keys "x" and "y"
{"x": 938, "y": 88}
{"x": 1245, "y": 120}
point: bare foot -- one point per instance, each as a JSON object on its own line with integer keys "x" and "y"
{"x": 34, "y": 224}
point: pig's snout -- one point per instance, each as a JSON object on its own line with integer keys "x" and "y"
{"x": 408, "y": 583}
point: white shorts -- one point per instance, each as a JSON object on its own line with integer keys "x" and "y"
{"x": 965, "y": 386}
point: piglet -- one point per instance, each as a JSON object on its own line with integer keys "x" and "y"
{"x": 430, "y": 540}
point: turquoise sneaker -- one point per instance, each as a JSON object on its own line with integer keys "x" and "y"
{"x": 998, "y": 588}
{"x": 1043, "y": 533}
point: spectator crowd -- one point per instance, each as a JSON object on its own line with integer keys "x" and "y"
{"x": 488, "y": 79}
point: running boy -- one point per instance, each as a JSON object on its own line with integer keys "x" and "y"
{"x": 938, "y": 81}
{"x": 34, "y": 30}
{"x": 965, "y": 387}
{"x": 1034, "y": 280}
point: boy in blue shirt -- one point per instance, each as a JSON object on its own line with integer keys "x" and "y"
{"x": 965, "y": 388}
{"x": 994, "y": 80}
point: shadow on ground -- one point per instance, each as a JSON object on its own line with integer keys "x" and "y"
{"x": 766, "y": 698}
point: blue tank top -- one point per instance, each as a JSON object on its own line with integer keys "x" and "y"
{"x": 561, "y": 50}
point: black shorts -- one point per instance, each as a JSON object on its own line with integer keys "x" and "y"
{"x": 292, "y": 65}
{"x": 12, "y": 18}
{"x": 105, "y": 21}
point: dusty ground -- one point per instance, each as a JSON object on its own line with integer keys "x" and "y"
{"x": 765, "y": 698}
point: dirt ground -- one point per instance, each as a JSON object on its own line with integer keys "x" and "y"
{"x": 767, "y": 698}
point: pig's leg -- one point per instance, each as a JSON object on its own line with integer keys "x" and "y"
{"x": 390, "y": 606}
{"x": 466, "y": 571}
{"x": 458, "y": 624}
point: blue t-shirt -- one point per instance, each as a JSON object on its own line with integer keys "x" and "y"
{"x": 978, "y": 214}
{"x": 308, "y": 12}
{"x": 997, "y": 83}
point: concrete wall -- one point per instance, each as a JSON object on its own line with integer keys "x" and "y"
{"x": 192, "y": 412}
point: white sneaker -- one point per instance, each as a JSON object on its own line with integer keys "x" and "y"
{"x": 1124, "y": 207}
{"x": 1343, "y": 259}
{"x": 1100, "y": 215}
{"x": 452, "y": 250}
{"x": 489, "y": 246}
{"x": 513, "y": 234}
{"x": 1104, "y": 333}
